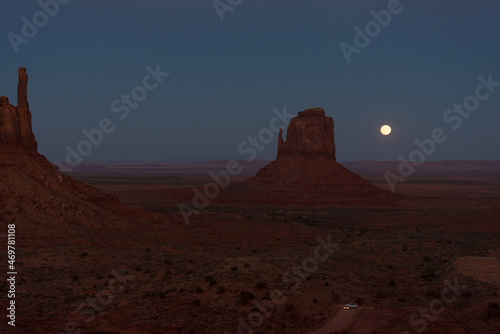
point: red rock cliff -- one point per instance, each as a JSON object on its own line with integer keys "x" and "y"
{"x": 310, "y": 133}
{"x": 15, "y": 122}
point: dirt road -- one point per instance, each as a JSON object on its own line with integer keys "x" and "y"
{"x": 340, "y": 321}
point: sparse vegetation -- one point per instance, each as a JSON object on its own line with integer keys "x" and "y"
{"x": 261, "y": 285}
{"x": 289, "y": 307}
{"x": 245, "y": 297}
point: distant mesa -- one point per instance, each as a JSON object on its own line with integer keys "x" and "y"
{"x": 306, "y": 165}
{"x": 309, "y": 134}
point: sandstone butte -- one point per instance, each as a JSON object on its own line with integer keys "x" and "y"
{"x": 46, "y": 202}
{"x": 15, "y": 122}
{"x": 306, "y": 166}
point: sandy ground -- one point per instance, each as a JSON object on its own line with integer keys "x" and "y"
{"x": 341, "y": 320}
{"x": 486, "y": 269}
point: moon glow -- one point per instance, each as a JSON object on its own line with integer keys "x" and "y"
{"x": 385, "y": 130}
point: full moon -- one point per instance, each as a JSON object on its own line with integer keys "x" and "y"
{"x": 385, "y": 130}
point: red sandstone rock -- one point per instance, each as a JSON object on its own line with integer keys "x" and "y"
{"x": 15, "y": 122}
{"x": 309, "y": 134}
{"x": 47, "y": 203}
{"x": 306, "y": 166}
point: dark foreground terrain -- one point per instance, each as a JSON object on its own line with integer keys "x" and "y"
{"x": 429, "y": 264}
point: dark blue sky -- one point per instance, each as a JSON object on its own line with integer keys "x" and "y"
{"x": 227, "y": 76}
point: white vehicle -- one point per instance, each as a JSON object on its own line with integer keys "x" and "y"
{"x": 351, "y": 305}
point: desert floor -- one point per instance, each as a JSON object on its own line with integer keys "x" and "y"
{"x": 429, "y": 264}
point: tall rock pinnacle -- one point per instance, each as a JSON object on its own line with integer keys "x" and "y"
{"x": 22, "y": 89}
{"x": 15, "y": 122}
{"x": 309, "y": 134}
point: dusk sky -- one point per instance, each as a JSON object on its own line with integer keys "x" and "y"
{"x": 226, "y": 77}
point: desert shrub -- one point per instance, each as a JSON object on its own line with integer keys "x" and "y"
{"x": 220, "y": 289}
{"x": 335, "y": 296}
{"x": 162, "y": 295}
{"x": 74, "y": 277}
{"x": 246, "y": 265}
{"x": 138, "y": 268}
{"x": 390, "y": 266}
{"x": 266, "y": 296}
{"x": 426, "y": 258}
{"x": 199, "y": 290}
{"x": 401, "y": 299}
{"x": 315, "y": 300}
{"x": 84, "y": 254}
{"x": 147, "y": 271}
{"x": 327, "y": 284}
{"x": 208, "y": 278}
{"x": 381, "y": 295}
{"x": 493, "y": 306}
{"x": 261, "y": 285}
{"x": 196, "y": 302}
{"x": 167, "y": 261}
{"x": 181, "y": 290}
{"x": 212, "y": 282}
{"x": 40, "y": 280}
{"x": 392, "y": 283}
{"x": 289, "y": 307}
{"x": 433, "y": 294}
{"x": 99, "y": 276}
{"x": 234, "y": 269}
{"x": 359, "y": 301}
{"x": 245, "y": 297}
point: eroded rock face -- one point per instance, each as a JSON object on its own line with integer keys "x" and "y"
{"x": 15, "y": 122}
{"x": 306, "y": 170}
{"x": 310, "y": 133}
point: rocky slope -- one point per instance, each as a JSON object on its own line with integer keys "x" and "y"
{"x": 46, "y": 203}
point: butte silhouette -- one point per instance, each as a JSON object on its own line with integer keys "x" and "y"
{"x": 46, "y": 202}
{"x": 307, "y": 172}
